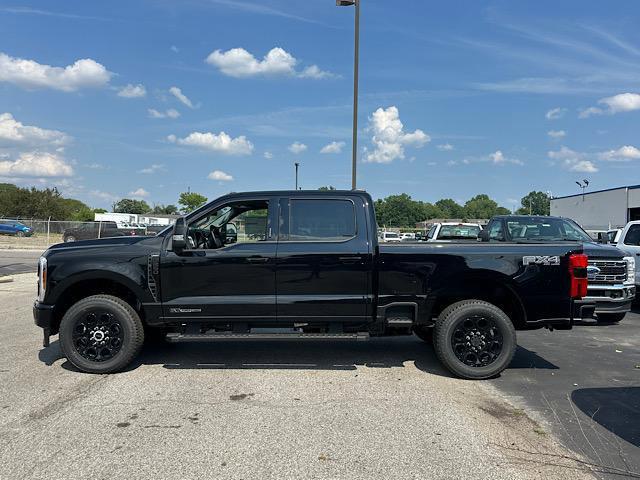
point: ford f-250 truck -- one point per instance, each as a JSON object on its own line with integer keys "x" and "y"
{"x": 303, "y": 265}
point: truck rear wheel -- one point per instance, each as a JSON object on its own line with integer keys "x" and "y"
{"x": 474, "y": 339}
{"x": 101, "y": 334}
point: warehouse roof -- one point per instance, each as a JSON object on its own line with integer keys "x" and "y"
{"x": 630, "y": 187}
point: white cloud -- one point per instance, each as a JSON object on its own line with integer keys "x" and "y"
{"x": 176, "y": 92}
{"x": 36, "y": 164}
{"x": 140, "y": 192}
{"x": 132, "y": 91}
{"x": 498, "y": 158}
{"x": 557, "y": 134}
{"x": 623, "y": 154}
{"x": 240, "y": 63}
{"x": 333, "y": 147}
{"x": 297, "y": 148}
{"x": 84, "y": 73}
{"x": 314, "y": 72}
{"x": 389, "y": 137}
{"x": 170, "y": 113}
{"x": 14, "y": 132}
{"x": 154, "y": 168}
{"x": 623, "y": 102}
{"x": 572, "y": 160}
{"x": 555, "y": 113}
{"x": 445, "y": 147}
{"x": 174, "y": 49}
{"x": 221, "y": 143}
{"x": 268, "y": 155}
{"x": 219, "y": 175}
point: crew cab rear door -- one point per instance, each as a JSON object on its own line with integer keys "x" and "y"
{"x": 324, "y": 259}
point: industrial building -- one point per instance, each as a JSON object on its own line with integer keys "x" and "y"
{"x": 602, "y": 209}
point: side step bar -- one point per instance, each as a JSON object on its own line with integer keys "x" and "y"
{"x": 206, "y": 337}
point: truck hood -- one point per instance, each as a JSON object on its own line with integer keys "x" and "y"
{"x": 599, "y": 250}
{"x": 101, "y": 242}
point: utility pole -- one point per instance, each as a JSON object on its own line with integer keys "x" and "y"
{"x": 297, "y": 166}
{"x": 356, "y": 68}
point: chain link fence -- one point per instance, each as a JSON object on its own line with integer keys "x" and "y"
{"x": 36, "y": 234}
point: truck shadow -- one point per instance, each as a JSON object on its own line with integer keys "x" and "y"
{"x": 617, "y": 409}
{"x": 296, "y": 355}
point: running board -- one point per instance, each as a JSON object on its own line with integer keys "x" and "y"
{"x": 206, "y": 337}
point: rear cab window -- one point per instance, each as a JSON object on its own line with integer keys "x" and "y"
{"x": 320, "y": 220}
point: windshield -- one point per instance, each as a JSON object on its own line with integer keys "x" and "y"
{"x": 546, "y": 229}
{"x": 391, "y": 235}
{"x": 459, "y": 232}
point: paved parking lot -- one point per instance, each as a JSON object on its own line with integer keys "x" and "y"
{"x": 378, "y": 409}
{"x": 18, "y": 261}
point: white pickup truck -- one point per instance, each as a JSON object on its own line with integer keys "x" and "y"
{"x": 627, "y": 239}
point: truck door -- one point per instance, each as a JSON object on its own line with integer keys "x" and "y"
{"x": 229, "y": 278}
{"x": 324, "y": 260}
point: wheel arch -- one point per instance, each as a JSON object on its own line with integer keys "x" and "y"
{"x": 494, "y": 288}
{"x": 107, "y": 283}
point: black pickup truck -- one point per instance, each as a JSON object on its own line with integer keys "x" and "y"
{"x": 304, "y": 265}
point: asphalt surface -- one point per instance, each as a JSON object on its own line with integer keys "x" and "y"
{"x": 584, "y": 385}
{"x": 18, "y": 261}
{"x": 337, "y": 410}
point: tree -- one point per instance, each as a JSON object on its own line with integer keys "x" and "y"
{"x": 535, "y": 203}
{"x": 399, "y": 211}
{"x": 481, "y": 206}
{"x": 450, "y": 208}
{"x": 128, "y": 205}
{"x": 165, "y": 209}
{"x": 190, "y": 201}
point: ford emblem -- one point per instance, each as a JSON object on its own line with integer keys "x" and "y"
{"x": 592, "y": 272}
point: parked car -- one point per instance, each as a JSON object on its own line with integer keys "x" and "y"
{"x": 390, "y": 237}
{"x": 315, "y": 271}
{"x": 611, "y": 272}
{"x": 88, "y": 231}
{"x": 627, "y": 239}
{"x": 13, "y": 227}
{"x": 450, "y": 231}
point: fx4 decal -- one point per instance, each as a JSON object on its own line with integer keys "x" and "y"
{"x": 540, "y": 260}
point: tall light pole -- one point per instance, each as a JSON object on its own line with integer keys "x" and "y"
{"x": 583, "y": 186}
{"x": 356, "y": 62}
{"x": 297, "y": 166}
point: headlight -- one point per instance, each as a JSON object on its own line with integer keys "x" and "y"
{"x": 631, "y": 270}
{"x": 42, "y": 278}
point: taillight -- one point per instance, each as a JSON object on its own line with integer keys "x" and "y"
{"x": 578, "y": 264}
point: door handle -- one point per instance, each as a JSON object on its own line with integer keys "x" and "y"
{"x": 350, "y": 259}
{"x": 257, "y": 259}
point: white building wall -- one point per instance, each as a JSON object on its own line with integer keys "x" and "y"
{"x": 594, "y": 211}
{"x": 116, "y": 217}
{"x": 634, "y": 198}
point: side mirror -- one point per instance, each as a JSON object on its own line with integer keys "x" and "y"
{"x": 179, "y": 239}
{"x": 483, "y": 236}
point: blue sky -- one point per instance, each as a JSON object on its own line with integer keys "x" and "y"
{"x": 148, "y": 98}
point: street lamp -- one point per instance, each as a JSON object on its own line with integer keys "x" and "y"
{"x": 297, "y": 165}
{"x": 583, "y": 186}
{"x": 356, "y": 61}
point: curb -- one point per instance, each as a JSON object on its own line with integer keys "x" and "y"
{"x": 6, "y": 279}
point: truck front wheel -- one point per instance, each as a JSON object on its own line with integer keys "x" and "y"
{"x": 474, "y": 339}
{"x": 101, "y": 334}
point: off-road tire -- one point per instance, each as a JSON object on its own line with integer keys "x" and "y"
{"x": 132, "y": 332}
{"x": 451, "y": 317}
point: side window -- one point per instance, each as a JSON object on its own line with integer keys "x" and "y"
{"x": 633, "y": 236}
{"x": 432, "y": 232}
{"x": 239, "y": 222}
{"x": 495, "y": 231}
{"x": 321, "y": 220}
